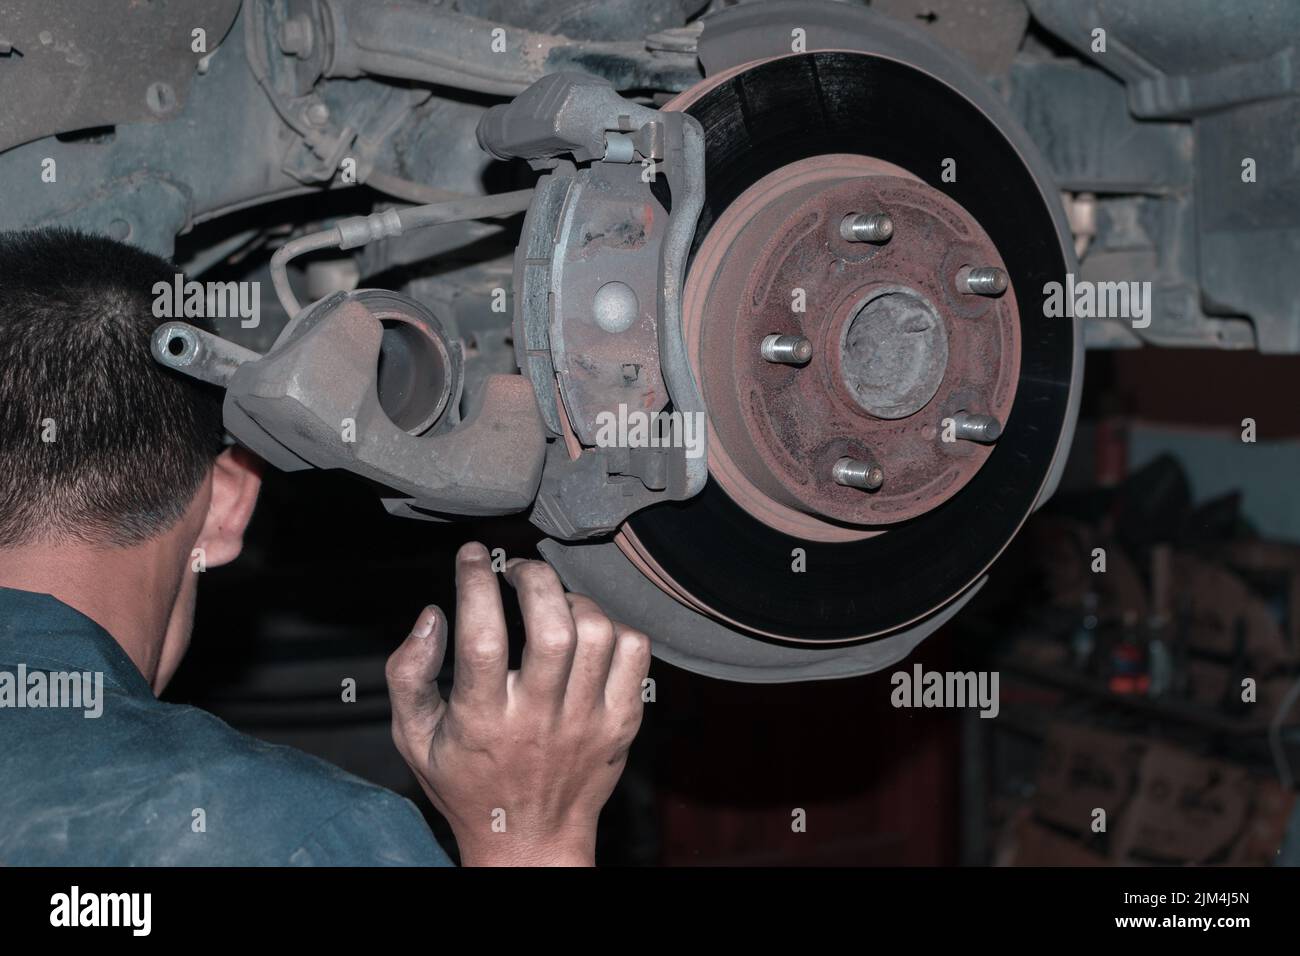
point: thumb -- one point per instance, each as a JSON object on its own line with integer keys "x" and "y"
{"x": 412, "y": 675}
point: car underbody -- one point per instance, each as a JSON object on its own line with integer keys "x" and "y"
{"x": 764, "y": 313}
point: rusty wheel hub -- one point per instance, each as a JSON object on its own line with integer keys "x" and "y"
{"x": 900, "y": 352}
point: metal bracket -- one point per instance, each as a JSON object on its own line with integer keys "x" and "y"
{"x": 598, "y": 283}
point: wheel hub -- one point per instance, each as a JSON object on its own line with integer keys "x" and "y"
{"x": 896, "y": 347}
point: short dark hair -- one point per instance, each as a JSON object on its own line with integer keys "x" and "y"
{"x": 132, "y": 441}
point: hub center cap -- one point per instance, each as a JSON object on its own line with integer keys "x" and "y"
{"x": 894, "y": 353}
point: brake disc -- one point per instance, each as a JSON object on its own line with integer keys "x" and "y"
{"x": 780, "y": 569}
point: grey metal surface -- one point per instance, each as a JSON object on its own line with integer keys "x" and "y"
{"x": 198, "y": 353}
{"x": 1183, "y": 93}
{"x": 411, "y": 41}
{"x": 1181, "y": 58}
{"x": 985, "y": 32}
{"x": 58, "y": 73}
{"x": 894, "y": 353}
{"x": 1248, "y": 233}
{"x": 695, "y": 643}
{"x": 149, "y": 181}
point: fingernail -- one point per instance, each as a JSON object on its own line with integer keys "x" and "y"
{"x": 424, "y": 625}
{"x": 473, "y": 551}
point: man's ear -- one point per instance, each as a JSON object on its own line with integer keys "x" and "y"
{"x": 236, "y": 480}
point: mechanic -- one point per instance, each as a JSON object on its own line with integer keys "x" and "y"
{"x": 113, "y": 478}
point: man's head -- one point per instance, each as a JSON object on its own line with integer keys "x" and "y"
{"x": 105, "y": 456}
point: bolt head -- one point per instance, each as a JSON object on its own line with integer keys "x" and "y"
{"x": 318, "y": 114}
{"x": 295, "y": 36}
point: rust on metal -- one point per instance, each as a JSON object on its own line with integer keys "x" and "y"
{"x": 897, "y": 349}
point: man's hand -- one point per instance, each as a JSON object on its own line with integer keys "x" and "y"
{"x": 519, "y": 762}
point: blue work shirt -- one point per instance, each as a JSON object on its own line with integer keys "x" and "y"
{"x": 155, "y": 784}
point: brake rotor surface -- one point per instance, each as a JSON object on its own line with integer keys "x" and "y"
{"x": 792, "y": 145}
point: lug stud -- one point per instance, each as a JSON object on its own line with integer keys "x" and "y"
{"x": 980, "y": 428}
{"x": 858, "y": 474}
{"x": 867, "y": 227}
{"x": 786, "y": 349}
{"x": 981, "y": 280}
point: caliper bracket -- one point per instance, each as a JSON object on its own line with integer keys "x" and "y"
{"x": 598, "y": 292}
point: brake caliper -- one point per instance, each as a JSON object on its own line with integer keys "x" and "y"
{"x": 598, "y": 282}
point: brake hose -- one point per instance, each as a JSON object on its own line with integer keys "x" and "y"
{"x": 359, "y": 230}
